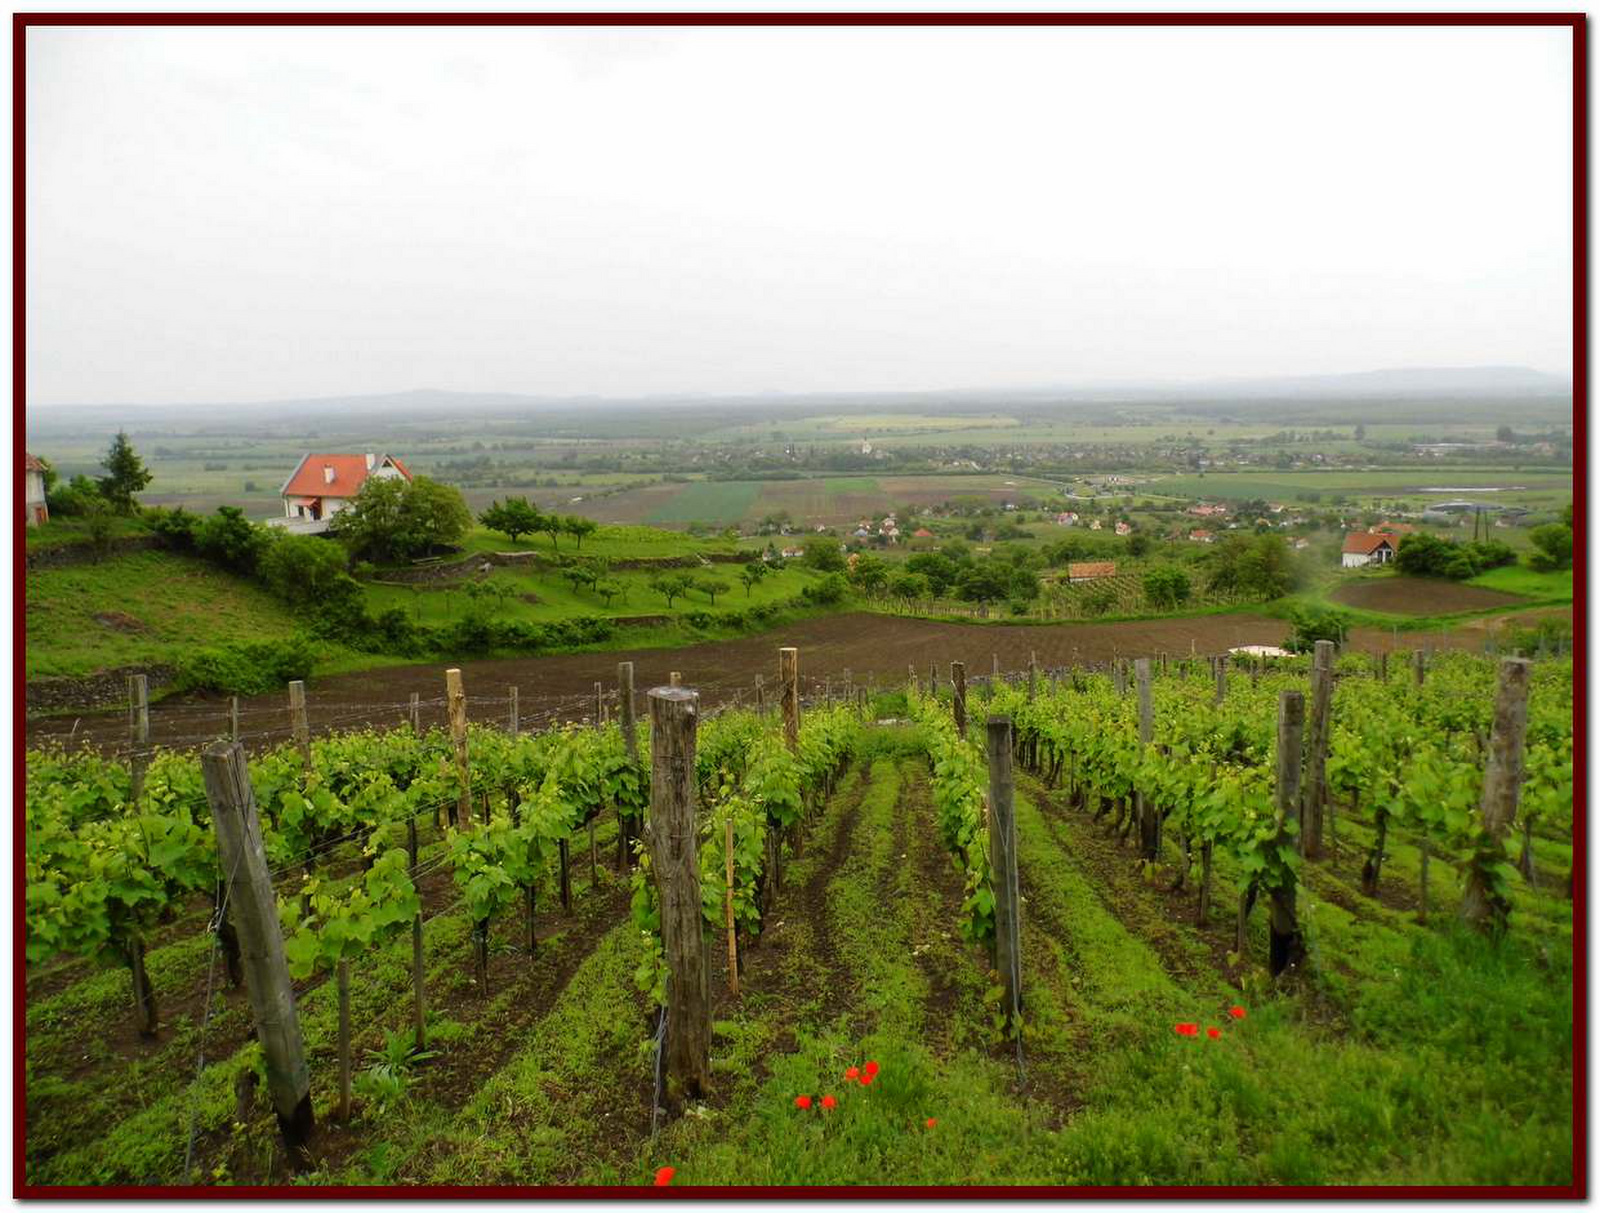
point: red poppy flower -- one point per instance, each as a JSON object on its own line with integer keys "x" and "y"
{"x": 853, "y": 1073}
{"x": 871, "y": 1069}
{"x": 802, "y": 1101}
{"x": 1188, "y": 1029}
{"x": 829, "y": 1102}
{"x": 1236, "y": 1012}
{"x": 1214, "y": 1033}
{"x": 930, "y": 1122}
{"x": 866, "y": 1078}
{"x": 664, "y": 1176}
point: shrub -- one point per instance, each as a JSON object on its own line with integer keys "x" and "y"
{"x": 303, "y": 569}
{"x": 247, "y": 668}
{"x": 1311, "y": 624}
{"x": 176, "y": 528}
{"x": 231, "y": 540}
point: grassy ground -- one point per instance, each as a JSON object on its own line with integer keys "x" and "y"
{"x": 141, "y": 608}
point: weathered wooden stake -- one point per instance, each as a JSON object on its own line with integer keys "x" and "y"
{"x": 298, "y": 721}
{"x": 1003, "y": 864}
{"x": 1383, "y": 666}
{"x": 761, "y": 696}
{"x": 233, "y": 718}
{"x": 630, "y": 740}
{"x": 1287, "y": 945}
{"x": 254, "y": 908}
{"x": 416, "y": 714}
{"x": 599, "y": 705}
{"x": 342, "y": 978}
{"x": 1149, "y": 820}
{"x": 513, "y": 716}
{"x": 674, "y": 713}
{"x": 138, "y": 732}
{"x": 1502, "y": 793}
{"x": 456, "y": 700}
{"x": 419, "y": 1006}
{"x": 733, "y": 938}
{"x": 958, "y": 685}
{"x": 1419, "y": 665}
{"x": 1033, "y": 674}
{"x": 1314, "y": 794}
{"x": 789, "y": 688}
{"x": 1221, "y": 674}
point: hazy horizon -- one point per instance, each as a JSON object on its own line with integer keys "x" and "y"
{"x": 257, "y": 215}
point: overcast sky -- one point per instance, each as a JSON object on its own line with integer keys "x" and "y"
{"x": 256, "y": 214}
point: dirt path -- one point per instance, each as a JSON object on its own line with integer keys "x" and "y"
{"x": 875, "y": 648}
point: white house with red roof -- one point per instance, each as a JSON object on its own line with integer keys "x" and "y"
{"x": 1362, "y": 548}
{"x": 322, "y": 485}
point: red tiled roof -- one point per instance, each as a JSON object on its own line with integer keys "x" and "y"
{"x": 1093, "y": 568}
{"x": 1393, "y": 528}
{"x": 349, "y": 474}
{"x": 1364, "y": 544}
{"x": 30, "y": 463}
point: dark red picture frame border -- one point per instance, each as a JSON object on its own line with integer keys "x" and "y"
{"x": 1577, "y": 22}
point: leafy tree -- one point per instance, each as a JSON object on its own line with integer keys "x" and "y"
{"x": 711, "y": 587}
{"x": 831, "y": 590}
{"x": 610, "y": 588}
{"x": 75, "y": 498}
{"x": 125, "y": 474}
{"x": 908, "y": 586}
{"x": 100, "y": 522}
{"x": 1258, "y": 566}
{"x": 433, "y": 515}
{"x": 230, "y": 539}
{"x": 1138, "y": 544}
{"x": 821, "y": 552}
{"x": 989, "y": 582}
{"x": 869, "y": 573}
{"x": 394, "y": 519}
{"x": 1166, "y": 587}
{"x": 1314, "y": 623}
{"x": 516, "y": 518}
{"x": 938, "y": 569}
{"x": 1505, "y": 434}
{"x": 671, "y": 586}
{"x": 579, "y": 527}
{"x": 305, "y": 570}
{"x": 1361, "y": 432}
{"x": 1553, "y": 547}
{"x": 751, "y": 574}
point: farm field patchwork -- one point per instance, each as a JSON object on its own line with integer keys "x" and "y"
{"x": 1399, "y": 595}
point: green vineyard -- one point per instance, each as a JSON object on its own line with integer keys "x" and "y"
{"x": 1304, "y": 922}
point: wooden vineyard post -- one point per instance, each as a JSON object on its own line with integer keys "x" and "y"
{"x": 1383, "y": 666}
{"x": 1144, "y": 812}
{"x": 911, "y": 680}
{"x": 599, "y": 705}
{"x": 138, "y": 732}
{"x": 849, "y": 687}
{"x": 298, "y": 721}
{"x": 233, "y": 718}
{"x": 1003, "y": 865}
{"x": 254, "y": 909}
{"x": 630, "y": 742}
{"x": 761, "y": 697}
{"x": 1419, "y": 665}
{"x": 933, "y": 677}
{"x": 456, "y": 700}
{"x": 733, "y": 938}
{"x": 416, "y": 714}
{"x": 674, "y": 712}
{"x": 1315, "y": 793}
{"x": 958, "y": 687}
{"x": 513, "y": 716}
{"x": 419, "y": 1009}
{"x": 1033, "y": 674}
{"x": 342, "y": 979}
{"x": 1221, "y": 675}
{"x": 789, "y": 689}
{"x": 1287, "y": 946}
{"x": 1481, "y": 906}
{"x": 994, "y": 675}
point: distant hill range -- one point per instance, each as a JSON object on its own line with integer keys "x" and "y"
{"x": 1407, "y": 383}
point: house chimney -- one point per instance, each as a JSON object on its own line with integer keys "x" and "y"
{"x": 327, "y": 473}
{"x": 370, "y": 460}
